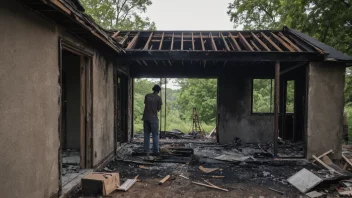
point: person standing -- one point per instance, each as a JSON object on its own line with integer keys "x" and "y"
{"x": 152, "y": 105}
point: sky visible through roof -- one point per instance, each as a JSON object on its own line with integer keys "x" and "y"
{"x": 190, "y": 14}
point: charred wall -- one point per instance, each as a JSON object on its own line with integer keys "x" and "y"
{"x": 325, "y": 108}
{"x": 234, "y": 106}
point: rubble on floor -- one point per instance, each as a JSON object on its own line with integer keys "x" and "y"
{"x": 70, "y": 165}
{"x": 230, "y": 170}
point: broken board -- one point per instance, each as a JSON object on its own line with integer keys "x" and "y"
{"x": 304, "y": 180}
{"x": 127, "y": 185}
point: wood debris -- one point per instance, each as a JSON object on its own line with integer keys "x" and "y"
{"x": 128, "y": 184}
{"x": 208, "y": 170}
{"x": 184, "y": 177}
{"x": 210, "y": 186}
{"x": 164, "y": 179}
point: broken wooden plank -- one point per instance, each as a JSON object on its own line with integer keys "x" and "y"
{"x": 164, "y": 179}
{"x": 147, "y": 43}
{"x": 271, "y": 42}
{"x": 283, "y": 42}
{"x": 326, "y": 153}
{"x": 208, "y": 170}
{"x": 347, "y": 160}
{"x": 325, "y": 165}
{"x": 115, "y": 34}
{"x": 289, "y": 42}
{"x": 209, "y": 186}
{"x": 217, "y": 177}
{"x": 127, "y": 185}
{"x": 235, "y": 42}
{"x": 260, "y": 42}
{"x": 225, "y": 43}
{"x": 245, "y": 43}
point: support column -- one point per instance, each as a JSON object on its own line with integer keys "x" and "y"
{"x": 325, "y": 108}
{"x": 276, "y": 105}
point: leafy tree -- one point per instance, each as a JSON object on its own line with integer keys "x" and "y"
{"x": 120, "y": 14}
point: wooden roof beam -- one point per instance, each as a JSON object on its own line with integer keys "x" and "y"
{"x": 147, "y": 43}
{"x": 271, "y": 42}
{"x": 161, "y": 41}
{"x": 225, "y": 43}
{"x": 201, "y": 40}
{"x": 255, "y": 46}
{"x": 182, "y": 42}
{"x": 260, "y": 42}
{"x": 282, "y": 42}
{"x": 192, "y": 41}
{"x": 235, "y": 42}
{"x": 245, "y": 43}
{"x": 115, "y": 34}
{"x": 289, "y": 42}
{"x": 132, "y": 44}
{"x": 213, "y": 45}
{"x": 172, "y": 41}
{"x": 123, "y": 41}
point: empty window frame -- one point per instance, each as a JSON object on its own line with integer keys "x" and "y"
{"x": 263, "y": 95}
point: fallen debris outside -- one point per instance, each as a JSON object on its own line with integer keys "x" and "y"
{"x": 304, "y": 180}
{"x": 314, "y": 194}
{"x": 184, "y": 177}
{"x": 210, "y": 186}
{"x": 128, "y": 184}
{"x": 208, "y": 170}
{"x": 164, "y": 179}
{"x": 280, "y": 192}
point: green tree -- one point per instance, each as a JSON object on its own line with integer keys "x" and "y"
{"x": 120, "y": 14}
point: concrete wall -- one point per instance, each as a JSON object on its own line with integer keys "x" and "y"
{"x": 103, "y": 108}
{"x": 29, "y": 107}
{"x": 71, "y": 77}
{"x": 325, "y": 108}
{"x": 236, "y": 119}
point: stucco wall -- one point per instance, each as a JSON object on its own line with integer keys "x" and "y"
{"x": 236, "y": 119}
{"x": 325, "y": 108}
{"x": 103, "y": 108}
{"x": 29, "y": 107}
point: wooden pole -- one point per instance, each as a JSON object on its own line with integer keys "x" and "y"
{"x": 276, "y": 105}
{"x": 165, "y": 107}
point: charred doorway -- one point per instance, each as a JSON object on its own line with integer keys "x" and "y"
{"x": 76, "y": 109}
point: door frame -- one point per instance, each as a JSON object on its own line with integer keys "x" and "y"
{"x": 86, "y": 107}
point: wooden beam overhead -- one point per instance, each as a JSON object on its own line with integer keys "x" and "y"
{"x": 192, "y": 41}
{"x": 255, "y": 46}
{"x": 115, "y": 34}
{"x": 212, "y": 42}
{"x": 182, "y": 42}
{"x": 271, "y": 42}
{"x": 161, "y": 41}
{"x": 225, "y": 43}
{"x": 235, "y": 42}
{"x": 172, "y": 41}
{"x": 201, "y": 40}
{"x": 282, "y": 42}
{"x": 245, "y": 43}
{"x": 289, "y": 42}
{"x": 132, "y": 44}
{"x": 260, "y": 42}
{"x": 149, "y": 39}
{"x": 123, "y": 41}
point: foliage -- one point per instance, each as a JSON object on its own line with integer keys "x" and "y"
{"x": 199, "y": 93}
{"x": 328, "y": 21}
{"x": 120, "y": 14}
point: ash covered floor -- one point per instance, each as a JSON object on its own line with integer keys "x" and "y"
{"x": 70, "y": 165}
{"x": 247, "y": 170}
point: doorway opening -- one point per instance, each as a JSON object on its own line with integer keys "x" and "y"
{"x": 189, "y": 107}
{"x": 75, "y": 129}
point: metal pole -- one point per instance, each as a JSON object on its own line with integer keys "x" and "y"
{"x": 276, "y": 105}
{"x": 165, "y": 107}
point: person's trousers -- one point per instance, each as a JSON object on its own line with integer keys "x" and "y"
{"x": 151, "y": 127}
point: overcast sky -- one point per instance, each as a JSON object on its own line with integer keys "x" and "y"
{"x": 190, "y": 14}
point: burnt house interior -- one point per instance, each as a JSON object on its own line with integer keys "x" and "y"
{"x": 237, "y": 59}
